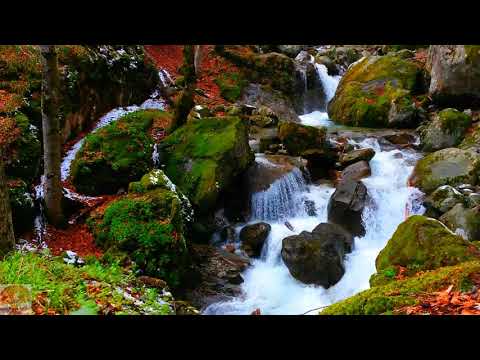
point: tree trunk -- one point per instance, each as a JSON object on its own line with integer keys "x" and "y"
{"x": 51, "y": 136}
{"x": 7, "y": 237}
{"x": 197, "y": 59}
{"x": 185, "y": 101}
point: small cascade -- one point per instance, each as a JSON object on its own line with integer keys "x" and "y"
{"x": 279, "y": 200}
{"x": 156, "y": 156}
{"x": 165, "y": 78}
{"x": 329, "y": 83}
{"x": 40, "y": 221}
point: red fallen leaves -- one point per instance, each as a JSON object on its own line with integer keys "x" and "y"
{"x": 446, "y": 302}
{"x": 76, "y": 238}
{"x": 168, "y": 57}
{"x": 40, "y": 305}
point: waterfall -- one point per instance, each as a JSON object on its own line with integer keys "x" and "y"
{"x": 279, "y": 200}
{"x": 269, "y": 286}
{"x": 156, "y": 156}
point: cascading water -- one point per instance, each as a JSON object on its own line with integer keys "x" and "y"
{"x": 268, "y": 284}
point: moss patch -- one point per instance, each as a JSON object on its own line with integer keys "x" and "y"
{"x": 203, "y": 158}
{"x": 115, "y": 155}
{"x": 385, "y": 299}
{"x": 299, "y": 138}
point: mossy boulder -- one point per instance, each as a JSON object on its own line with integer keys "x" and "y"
{"x": 392, "y": 297}
{"x": 447, "y": 129}
{"x": 231, "y": 85}
{"x": 472, "y": 139}
{"x": 115, "y": 155}
{"x": 150, "y": 225}
{"x": 299, "y": 138}
{"x": 444, "y": 198}
{"x": 203, "y": 158}
{"x": 422, "y": 243}
{"x": 357, "y": 155}
{"x": 455, "y": 74}
{"x": 379, "y": 91}
{"x": 449, "y": 166}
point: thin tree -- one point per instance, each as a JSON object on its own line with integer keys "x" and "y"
{"x": 52, "y": 141}
{"x": 7, "y": 237}
{"x": 185, "y": 100}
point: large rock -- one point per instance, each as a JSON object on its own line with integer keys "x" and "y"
{"x": 357, "y": 155}
{"x": 444, "y": 198}
{"x": 299, "y": 138}
{"x": 317, "y": 257}
{"x": 204, "y": 158}
{"x": 150, "y": 224}
{"x": 115, "y": 155}
{"x": 215, "y": 276}
{"x": 455, "y": 74}
{"x": 356, "y": 171}
{"x": 253, "y": 237}
{"x": 378, "y": 91}
{"x": 472, "y": 140}
{"x": 446, "y": 129}
{"x": 346, "y": 205}
{"x": 463, "y": 221}
{"x": 449, "y": 166}
{"x": 422, "y": 243}
{"x": 258, "y": 96}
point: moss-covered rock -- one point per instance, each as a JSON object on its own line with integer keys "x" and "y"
{"x": 397, "y": 294}
{"x": 204, "y": 157}
{"x": 115, "y": 155}
{"x": 378, "y": 91}
{"x": 422, "y": 243}
{"x": 449, "y": 166}
{"x": 472, "y": 139}
{"x": 446, "y": 129}
{"x": 231, "y": 85}
{"x": 444, "y": 198}
{"x": 299, "y": 138}
{"x": 150, "y": 225}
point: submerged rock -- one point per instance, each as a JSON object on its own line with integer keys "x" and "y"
{"x": 317, "y": 257}
{"x": 253, "y": 237}
{"x": 346, "y": 205}
{"x": 449, "y": 166}
{"x": 357, "y": 155}
{"x": 356, "y": 171}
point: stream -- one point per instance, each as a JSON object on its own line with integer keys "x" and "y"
{"x": 268, "y": 285}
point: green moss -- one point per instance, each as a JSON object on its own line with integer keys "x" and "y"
{"x": 150, "y": 228}
{"x": 385, "y": 299}
{"x": 231, "y": 85}
{"x": 115, "y": 155}
{"x": 422, "y": 243}
{"x": 454, "y": 121}
{"x": 203, "y": 157}
{"x": 449, "y": 166}
{"x": 65, "y": 287}
{"x": 369, "y": 88}
{"x": 299, "y": 138}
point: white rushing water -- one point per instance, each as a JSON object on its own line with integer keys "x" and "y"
{"x": 268, "y": 284}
